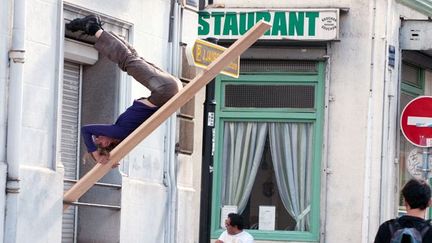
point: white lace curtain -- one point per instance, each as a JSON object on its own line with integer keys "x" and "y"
{"x": 242, "y": 151}
{"x": 291, "y": 150}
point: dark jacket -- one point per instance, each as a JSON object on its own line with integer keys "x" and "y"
{"x": 126, "y": 123}
{"x": 384, "y": 235}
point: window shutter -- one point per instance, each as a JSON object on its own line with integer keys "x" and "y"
{"x": 69, "y": 140}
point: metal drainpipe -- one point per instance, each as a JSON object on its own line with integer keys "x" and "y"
{"x": 326, "y": 144}
{"x": 387, "y": 129}
{"x": 170, "y": 175}
{"x": 14, "y": 122}
{"x": 369, "y": 135}
{"x": 173, "y": 167}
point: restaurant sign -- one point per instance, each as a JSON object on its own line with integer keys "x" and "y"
{"x": 293, "y": 24}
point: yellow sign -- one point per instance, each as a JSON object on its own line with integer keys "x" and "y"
{"x": 204, "y": 53}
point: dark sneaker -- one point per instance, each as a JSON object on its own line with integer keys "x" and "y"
{"x": 89, "y": 24}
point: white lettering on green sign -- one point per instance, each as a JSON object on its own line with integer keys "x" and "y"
{"x": 285, "y": 24}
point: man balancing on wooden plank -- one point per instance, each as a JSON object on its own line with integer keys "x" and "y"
{"x": 100, "y": 139}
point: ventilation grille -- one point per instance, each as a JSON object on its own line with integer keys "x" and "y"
{"x": 269, "y": 96}
{"x": 253, "y": 65}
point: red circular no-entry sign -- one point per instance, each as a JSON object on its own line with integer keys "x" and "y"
{"x": 416, "y": 121}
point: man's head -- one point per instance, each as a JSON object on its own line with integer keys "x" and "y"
{"x": 234, "y": 223}
{"x": 417, "y": 194}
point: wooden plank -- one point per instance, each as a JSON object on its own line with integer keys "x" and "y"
{"x": 181, "y": 98}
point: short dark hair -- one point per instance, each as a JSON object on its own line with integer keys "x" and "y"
{"x": 236, "y": 220}
{"x": 417, "y": 194}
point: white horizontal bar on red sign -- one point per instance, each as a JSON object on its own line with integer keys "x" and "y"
{"x": 419, "y": 121}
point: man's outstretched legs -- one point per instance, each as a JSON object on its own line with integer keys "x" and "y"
{"x": 161, "y": 84}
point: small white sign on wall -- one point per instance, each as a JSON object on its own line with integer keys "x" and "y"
{"x": 191, "y": 4}
{"x": 267, "y": 218}
{"x": 226, "y": 209}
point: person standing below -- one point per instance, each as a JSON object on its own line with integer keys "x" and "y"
{"x": 412, "y": 226}
{"x": 100, "y": 139}
{"x": 234, "y": 232}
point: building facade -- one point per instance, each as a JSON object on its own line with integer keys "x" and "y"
{"x": 53, "y": 82}
{"x": 305, "y": 143}
{"x": 309, "y": 136}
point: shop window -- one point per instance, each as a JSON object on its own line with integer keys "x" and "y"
{"x": 412, "y": 80}
{"x": 412, "y": 85}
{"x": 268, "y": 152}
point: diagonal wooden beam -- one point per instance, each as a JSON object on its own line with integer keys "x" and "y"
{"x": 181, "y": 98}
